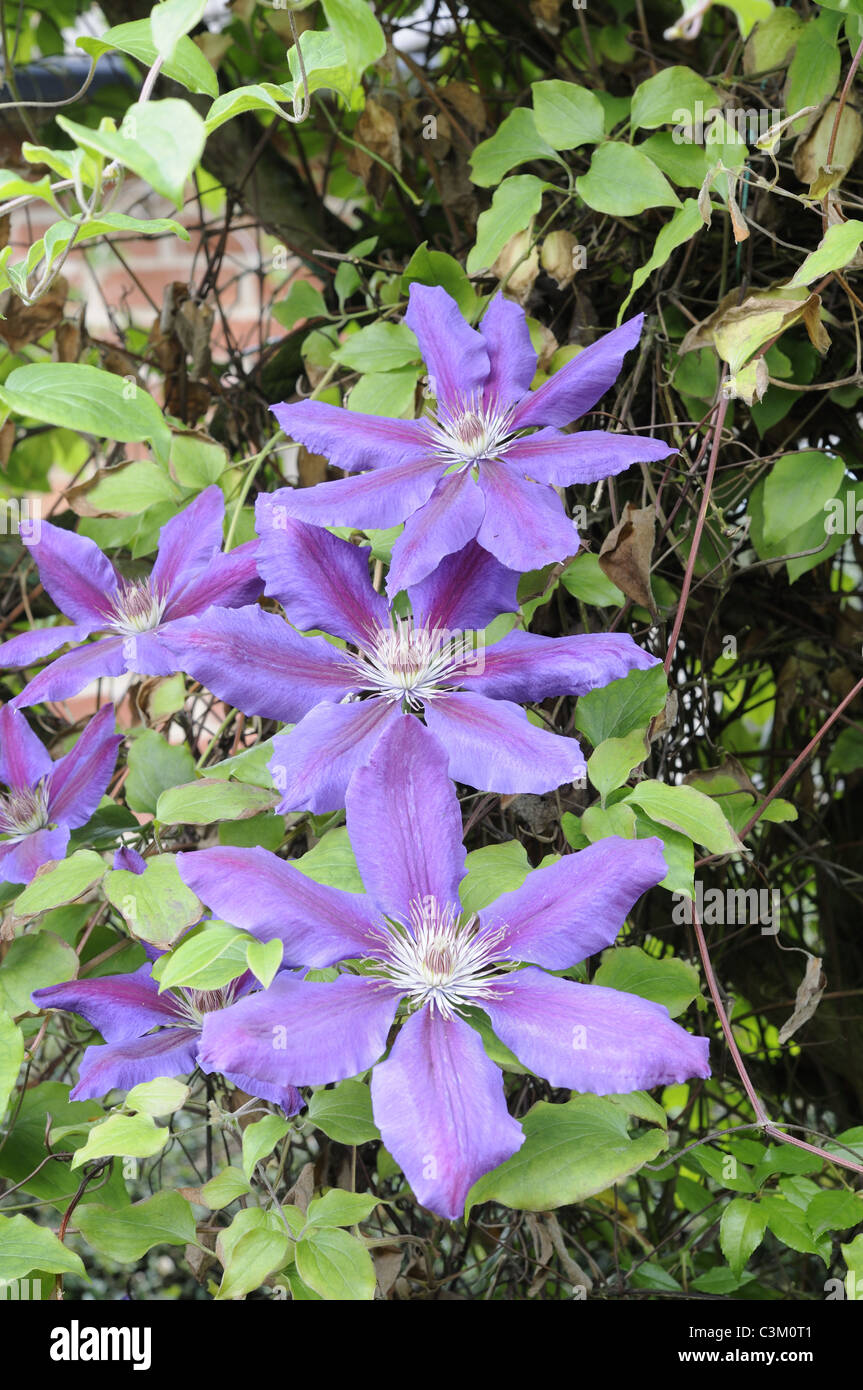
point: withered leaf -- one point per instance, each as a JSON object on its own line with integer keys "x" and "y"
{"x": 626, "y": 553}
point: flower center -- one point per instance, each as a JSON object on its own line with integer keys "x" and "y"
{"x": 193, "y": 1004}
{"x": 438, "y": 960}
{"x": 472, "y": 429}
{"x": 136, "y": 607}
{"x": 404, "y": 662}
{"x": 24, "y": 810}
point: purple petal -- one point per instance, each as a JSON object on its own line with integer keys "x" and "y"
{"x": 229, "y": 581}
{"x": 130, "y": 859}
{"x": 513, "y": 359}
{"x": 572, "y": 391}
{"x": 149, "y": 653}
{"x": 120, "y": 1007}
{"x": 19, "y": 860}
{"x": 315, "y": 1033}
{"x": 255, "y": 890}
{"x": 351, "y": 440}
{"x": 404, "y": 821}
{"x": 72, "y": 672}
{"x": 189, "y": 541}
{"x": 287, "y": 1097}
{"x": 256, "y": 662}
{"x": 492, "y": 745}
{"x": 439, "y": 1104}
{"x": 524, "y": 524}
{"x": 449, "y": 520}
{"x": 29, "y": 647}
{"x": 73, "y": 570}
{"x": 78, "y": 781}
{"x": 583, "y": 457}
{"x": 590, "y": 1038}
{"x": 24, "y": 759}
{"x": 312, "y": 765}
{"x": 570, "y": 910}
{"x": 454, "y": 353}
{"x": 467, "y": 591}
{"x": 320, "y": 581}
{"x": 526, "y": 667}
{"x": 374, "y": 500}
{"x": 122, "y": 1065}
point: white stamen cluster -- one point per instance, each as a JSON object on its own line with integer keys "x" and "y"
{"x": 23, "y": 810}
{"x": 407, "y": 662}
{"x": 438, "y": 960}
{"x": 136, "y": 607}
{"x": 193, "y": 1004}
{"x": 471, "y": 429}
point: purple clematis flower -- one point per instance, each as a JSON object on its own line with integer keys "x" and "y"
{"x": 471, "y": 471}
{"x": 425, "y": 662}
{"x": 438, "y": 1099}
{"x": 131, "y": 617}
{"x": 148, "y": 1034}
{"x": 46, "y": 800}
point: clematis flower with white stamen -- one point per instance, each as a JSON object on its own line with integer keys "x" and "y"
{"x": 426, "y": 663}
{"x": 130, "y": 618}
{"x": 485, "y": 465}
{"x": 408, "y": 958}
{"x": 45, "y": 801}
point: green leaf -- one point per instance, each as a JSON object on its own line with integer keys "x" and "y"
{"x": 668, "y": 981}
{"x": 598, "y": 822}
{"x": 566, "y": 115}
{"x": 570, "y": 1152}
{"x": 671, "y": 95}
{"x": 853, "y": 1256}
{"x": 211, "y": 799}
{"x": 741, "y": 1230}
{"x": 516, "y": 141}
{"x": 379, "y": 348}
{"x": 427, "y": 267}
{"x": 162, "y": 1096}
{"x": 332, "y": 862}
{"x": 126, "y": 1235}
{"x": 492, "y": 870}
{"x": 336, "y": 1265}
{"x": 837, "y": 247}
{"x": 264, "y": 958}
{"x": 260, "y": 1138}
{"x": 225, "y": 1188}
{"x": 33, "y": 962}
{"x": 59, "y": 882}
{"x": 689, "y": 811}
{"x": 622, "y": 181}
{"x": 355, "y": 27}
{"x": 344, "y": 1113}
{"x": 171, "y": 20}
{"x": 86, "y": 399}
{"x": 846, "y": 755}
{"x": 302, "y": 301}
{"x": 188, "y": 65}
{"x": 815, "y": 68}
{"x": 609, "y": 766}
{"x": 514, "y": 204}
{"x": 326, "y": 66}
{"x": 160, "y": 141}
{"x": 686, "y": 221}
{"x": 622, "y": 705}
{"x": 340, "y": 1208}
{"x": 11, "y": 1057}
{"x": 134, "y": 1136}
{"x": 255, "y": 1255}
{"x": 834, "y": 1211}
{"x": 248, "y": 766}
{"x": 796, "y": 489}
{"x": 156, "y": 905}
{"x": 154, "y": 766}
{"x": 584, "y": 579}
{"x": 678, "y": 852}
{"x": 25, "y": 1246}
{"x": 196, "y": 461}
{"x": 388, "y": 393}
{"x": 207, "y": 959}
{"x": 789, "y": 1224}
